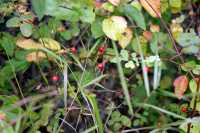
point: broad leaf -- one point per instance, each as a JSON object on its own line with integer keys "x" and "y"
{"x": 88, "y": 15}
{"x": 35, "y": 56}
{"x": 180, "y": 86}
{"x": 125, "y": 38}
{"x": 152, "y": 7}
{"x": 96, "y": 29}
{"x": 136, "y": 15}
{"x": 8, "y": 43}
{"x": 28, "y": 44}
{"x": 13, "y": 22}
{"x": 114, "y": 26}
{"x": 26, "y": 29}
{"x": 50, "y": 44}
{"x": 39, "y": 8}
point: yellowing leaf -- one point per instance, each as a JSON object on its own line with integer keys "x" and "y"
{"x": 114, "y": 26}
{"x": 147, "y": 35}
{"x": 125, "y": 38}
{"x": 152, "y": 7}
{"x": 180, "y": 86}
{"x": 35, "y": 56}
{"x": 28, "y": 44}
{"x": 154, "y": 28}
{"x": 50, "y": 44}
{"x": 176, "y": 29}
{"x": 44, "y": 42}
{"x": 114, "y": 2}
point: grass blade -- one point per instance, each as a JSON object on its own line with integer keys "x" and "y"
{"x": 96, "y": 112}
{"x": 122, "y": 79}
{"x": 144, "y": 72}
{"x": 161, "y": 110}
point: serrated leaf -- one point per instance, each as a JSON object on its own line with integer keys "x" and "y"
{"x": 125, "y": 121}
{"x": 88, "y": 15}
{"x": 136, "y": 15}
{"x": 39, "y": 7}
{"x": 114, "y": 26}
{"x": 13, "y": 22}
{"x": 26, "y": 29}
{"x": 190, "y": 49}
{"x": 96, "y": 29}
{"x": 152, "y": 7}
{"x": 124, "y": 55}
{"x": 8, "y": 44}
{"x": 187, "y": 39}
{"x": 180, "y": 86}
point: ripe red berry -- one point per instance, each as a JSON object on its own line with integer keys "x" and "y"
{"x": 55, "y": 78}
{"x": 100, "y": 66}
{"x": 73, "y": 50}
{"x": 101, "y": 50}
{"x": 184, "y": 109}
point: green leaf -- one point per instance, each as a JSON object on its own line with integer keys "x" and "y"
{"x": 10, "y": 67}
{"x": 187, "y": 66}
{"x": 187, "y": 39}
{"x": 154, "y": 43}
{"x": 62, "y": 13}
{"x": 26, "y": 29}
{"x": 8, "y": 43}
{"x": 13, "y": 22}
{"x": 135, "y": 15}
{"x": 88, "y": 15}
{"x": 193, "y": 86}
{"x": 66, "y": 35}
{"x": 125, "y": 121}
{"x": 124, "y": 55}
{"x": 190, "y": 49}
{"x": 96, "y": 28}
{"x": 39, "y": 7}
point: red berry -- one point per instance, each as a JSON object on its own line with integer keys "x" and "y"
{"x": 101, "y": 50}
{"x": 100, "y": 66}
{"x": 184, "y": 109}
{"x": 73, "y": 50}
{"x": 55, "y": 78}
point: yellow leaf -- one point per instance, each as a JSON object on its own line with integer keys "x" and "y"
{"x": 28, "y": 44}
{"x": 152, "y": 7}
{"x": 114, "y": 26}
{"x": 50, "y": 44}
{"x": 125, "y": 38}
{"x": 44, "y": 42}
{"x": 35, "y": 56}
